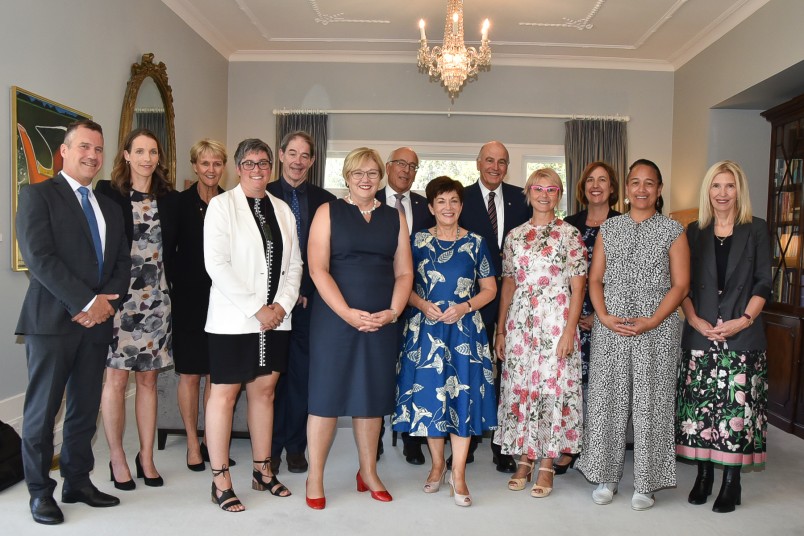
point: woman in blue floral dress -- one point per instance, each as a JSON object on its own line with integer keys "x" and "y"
{"x": 444, "y": 377}
{"x": 722, "y": 381}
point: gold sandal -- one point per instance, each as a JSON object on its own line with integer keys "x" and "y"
{"x": 518, "y": 484}
{"x": 542, "y": 491}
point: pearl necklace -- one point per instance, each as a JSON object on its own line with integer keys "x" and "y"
{"x": 374, "y": 205}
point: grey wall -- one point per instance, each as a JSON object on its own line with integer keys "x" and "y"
{"x": 255, "y": 89}
{"x": 766, "y": 43}
{"x": 79, "y": 53}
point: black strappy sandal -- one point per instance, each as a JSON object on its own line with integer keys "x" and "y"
{"x": 274, "y": 486}
{"x": 227, "y": 498}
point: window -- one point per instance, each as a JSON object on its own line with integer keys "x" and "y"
{"x": 456, "y": 160}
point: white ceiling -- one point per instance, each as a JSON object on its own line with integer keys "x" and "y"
{"x": 629, "y": 34}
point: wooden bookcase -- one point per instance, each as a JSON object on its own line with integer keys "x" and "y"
{"x": 784, "y": 313}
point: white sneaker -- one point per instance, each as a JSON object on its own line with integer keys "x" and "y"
{"x": 640, "y": 501}
{"x": 604, "y": 493}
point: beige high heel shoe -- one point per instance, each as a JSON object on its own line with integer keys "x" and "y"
{"x": 433, "y": 487}
{"x": 460, "y": 500}
{"x": 541, "y": 491}
{"x": 518, "y": 484}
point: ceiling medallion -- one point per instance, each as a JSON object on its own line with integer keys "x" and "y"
{"x": 453, "y": 62}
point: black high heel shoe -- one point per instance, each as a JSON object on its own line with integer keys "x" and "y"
{"x": 152, "y": 482}
{"x": 197, "y": 467}
{"x": 205, "y": 455}
{"x": 730, "y": 491}
{"x": 274, "y": 486}
{"x": 561, "y": 469}
{"x": 702, "y": 488}
{"x": 123, "y": 486}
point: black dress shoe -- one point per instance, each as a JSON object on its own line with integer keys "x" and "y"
{"x": 297, "y": 463}
{"x": 505, "y": 463}
{"x": 45, "y": 511}
{"x": 89, "y": 495}
{"x": 413, "y": 453}
{"x": 154, "y": 482}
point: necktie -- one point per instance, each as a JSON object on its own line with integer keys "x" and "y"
{"x": 89, "y": 212}
{"x": 294, "y": 207}
{"x": 492, "y": 208}
{"x": 399, "y": 206}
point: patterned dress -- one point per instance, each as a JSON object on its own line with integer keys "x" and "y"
{"x": 634, "y": 375}
{"x": 540, "y": 401}
{"x": 444, "y": 375}
{"x": 142, "y": 324}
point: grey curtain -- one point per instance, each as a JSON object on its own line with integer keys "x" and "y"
{"x": 587, "y": 140}
{"x": 315, "y": 124}
{"x": 154, "y": 120}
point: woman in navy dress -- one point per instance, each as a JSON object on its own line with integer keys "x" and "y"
{"x": 359, "y": 259}
{"x": 444, "y": 376}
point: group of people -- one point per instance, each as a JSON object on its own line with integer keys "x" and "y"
{"x": 472, "y": 311}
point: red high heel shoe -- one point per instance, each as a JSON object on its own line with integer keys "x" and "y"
{"x": 315, "y": 504}
{"x": 382, "y": 496}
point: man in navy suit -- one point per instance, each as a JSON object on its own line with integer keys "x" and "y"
{"x": 491, "y": 208}
{"x": 401, "y": 168}
{"x": 297, "y": 155}
{"x": 75, "y": 247}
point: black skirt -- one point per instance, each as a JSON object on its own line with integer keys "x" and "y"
{"x": 236, "y": 358}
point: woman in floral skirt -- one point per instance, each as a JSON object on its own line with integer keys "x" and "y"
{"x": 543, "y": 280}
{"x": 722, "y": 381}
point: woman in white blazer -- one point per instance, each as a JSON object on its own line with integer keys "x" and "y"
{"x": 251, "y": 253}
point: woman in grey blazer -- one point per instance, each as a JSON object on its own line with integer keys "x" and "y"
{"x": 722, "y": 382}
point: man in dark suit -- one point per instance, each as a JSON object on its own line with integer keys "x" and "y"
{"x": 78, "y": 259}
{"x": 491, "y": 208}
{"x": 401, "y": 168}
{"x": 297, "y": 155}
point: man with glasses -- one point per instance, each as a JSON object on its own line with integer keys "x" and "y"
{"x": 401, "y": 168}
{"x": 491, "y": 209}
{"x": 297, "y": 156}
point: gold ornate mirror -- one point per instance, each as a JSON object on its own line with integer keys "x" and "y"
{"x": 149, "y": 104}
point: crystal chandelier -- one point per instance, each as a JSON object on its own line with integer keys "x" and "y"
{"x": 453, "y": 62}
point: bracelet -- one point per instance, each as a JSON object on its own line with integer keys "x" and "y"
{"x": 749, "y": 318}
{"x": 470, "y": 306}
{"x": 500, "y": 333}
{"x": 393, "y": 311}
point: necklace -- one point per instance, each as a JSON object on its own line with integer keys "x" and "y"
{"x": 374, "y": 205}
{"x": 722, "y": 240}
{"x": 452, "y": 242}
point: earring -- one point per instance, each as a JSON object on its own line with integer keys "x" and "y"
{"x": 128, "y": 162}
{"x": 627, "y": 201}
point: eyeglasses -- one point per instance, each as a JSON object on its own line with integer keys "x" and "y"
{"x": 358, "y": 174}
{"x": 248, "y": 165}
{"x": 549, "y": 190}
{"x": 401, "y": 163}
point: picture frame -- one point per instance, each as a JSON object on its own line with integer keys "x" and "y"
{"x": 37, "y": 131}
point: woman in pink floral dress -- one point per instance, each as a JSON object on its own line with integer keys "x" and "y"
{"x": 544, "y": 276}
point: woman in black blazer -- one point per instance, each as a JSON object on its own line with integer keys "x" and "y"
{"x": 722, "y": 382}
{"x": 142, "y": 323}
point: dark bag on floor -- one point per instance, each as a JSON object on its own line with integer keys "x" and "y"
{"x": 10, "y": 456}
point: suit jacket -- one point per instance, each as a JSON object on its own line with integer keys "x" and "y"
{"x": 748, "y": 273}
{"x": 168, "y": 210}
{"x": 316, "y": 196}
{"x": 56, "y": 243}
{"x": 422, "y": 219}
{"x": 475, "y": 218}
{"x": 235, "y": 260}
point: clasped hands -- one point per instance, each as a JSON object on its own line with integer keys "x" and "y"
{"x": 627, "y": 326}
{"x": 720, "y": 331}
{"x": 99, "y": 312}
{"x": 452, "y": 314}
{"x": 270, "y": 316}
{"x": 369, "y": 322}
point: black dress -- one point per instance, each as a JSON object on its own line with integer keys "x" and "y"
{"x": 242, "y": 357}
{"x": 190, "y": 286}
{"x": 353, "y": 373}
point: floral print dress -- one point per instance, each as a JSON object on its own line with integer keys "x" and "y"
{"x": 142, "y": 324}
{"x": 444, "y": 375}
{"x": 540, "y": 400}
